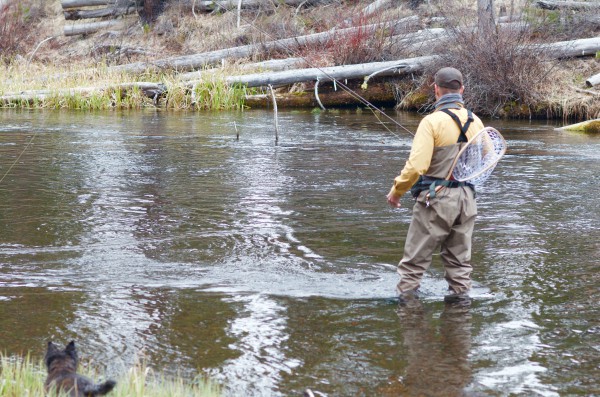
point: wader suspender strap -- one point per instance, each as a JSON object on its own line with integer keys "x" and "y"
{"x": 461, "y": 138}
{"x": 463, "y": 128}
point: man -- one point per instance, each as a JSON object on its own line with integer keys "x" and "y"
{"x": 444, "y": 212}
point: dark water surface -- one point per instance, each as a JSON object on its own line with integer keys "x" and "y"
{"x": 271, "y": 267}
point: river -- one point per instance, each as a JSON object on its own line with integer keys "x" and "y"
{"x": 197, "y": 242}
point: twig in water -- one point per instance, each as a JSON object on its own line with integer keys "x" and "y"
{"x": 275, "y": 112}
{"x": 317, "y": 95}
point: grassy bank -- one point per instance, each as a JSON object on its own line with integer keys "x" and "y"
{"x": 502, "y": 79}
{"x": 83, "y": 87}
{"x": 25, "y": 377}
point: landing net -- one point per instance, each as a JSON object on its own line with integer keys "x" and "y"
{"x": 476, "y": 161}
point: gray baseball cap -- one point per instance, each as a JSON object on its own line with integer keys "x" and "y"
{"x": 449, "y": 78}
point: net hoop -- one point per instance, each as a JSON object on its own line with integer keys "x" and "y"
{"x": 494, "y": 146}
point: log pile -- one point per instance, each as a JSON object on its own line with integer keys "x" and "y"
{"x": 111, "y": 11}
{"x": 111, "y": 14}
{"x": 407, "y": 32}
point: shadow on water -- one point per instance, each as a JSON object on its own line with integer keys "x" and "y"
{"x": 272, "y": 267}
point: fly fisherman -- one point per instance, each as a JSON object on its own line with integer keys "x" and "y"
{"x": 441, "y": 218}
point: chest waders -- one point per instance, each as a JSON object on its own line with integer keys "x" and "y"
{"x": 441, "y": 161}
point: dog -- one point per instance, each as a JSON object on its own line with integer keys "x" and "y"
{"x": 63, "y": 377}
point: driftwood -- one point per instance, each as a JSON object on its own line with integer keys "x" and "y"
{"x": 197, "y": 61}
{"x": 150, "y": 90}
{"x": 572, "y": 5}
{"x": 328, "y": 96}
{"x": 273, "y": 65}
{"x": 594, "y": 80}
{"x": 90, "y": 27}
{"x": 348, "y": 72}
{"x": 101, "y": 13}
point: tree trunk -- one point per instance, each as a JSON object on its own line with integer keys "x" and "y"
{"x": 486, "y": 18}
{"x": 198, "y": 61}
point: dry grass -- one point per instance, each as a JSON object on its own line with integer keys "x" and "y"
{"x": 25, "y": 377}
{"x": 501, "y": 80}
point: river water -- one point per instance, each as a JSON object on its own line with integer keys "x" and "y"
{"x": 196, "y": 242}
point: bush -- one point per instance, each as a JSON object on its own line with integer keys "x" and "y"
{"x": 17, "y": 25}
{"x": 12, "y": 28}
{"x": 501, "y": 68}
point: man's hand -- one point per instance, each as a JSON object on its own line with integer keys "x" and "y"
{"x": 393, "y": 201}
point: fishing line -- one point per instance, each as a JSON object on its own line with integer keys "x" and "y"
{"x": 349, "y": 90}
{"x": 18, "y": 157}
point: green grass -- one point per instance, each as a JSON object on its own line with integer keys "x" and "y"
{"x": 211, "y": 93}
{"x": 25, "y": 377}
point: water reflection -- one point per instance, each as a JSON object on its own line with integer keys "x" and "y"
{"x": 437, "y": 351}
{"x": 272, "y": 267}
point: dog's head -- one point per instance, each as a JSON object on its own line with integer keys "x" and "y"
{"x": 67, "y": 357}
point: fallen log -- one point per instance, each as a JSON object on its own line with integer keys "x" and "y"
{"x": 227, "y": 5}
{"x": 568, "y": 49}
{"x": 592, "y": 81}
{"x": 571, "y": 5}
{"x": 150, "y": 90}
{"x": 67, "y": 4}
{"x": 90, "y": 27}
{"x": 380, "y": 93}
{"x": 589, "y": 126}
{"x": 101, "y": 13}
{"x": 345, "y": 72}
{"x": 374, "y": 7}
{"x": 273, "y": 65}
{"x": 198, "y": 61}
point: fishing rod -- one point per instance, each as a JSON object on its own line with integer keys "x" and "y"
{"x": 336, "y": 82}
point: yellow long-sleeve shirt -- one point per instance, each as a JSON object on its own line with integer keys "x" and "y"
{"x": 436, "y": 129}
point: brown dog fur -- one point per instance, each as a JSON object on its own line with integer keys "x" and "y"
{"x": 63, "y": 377}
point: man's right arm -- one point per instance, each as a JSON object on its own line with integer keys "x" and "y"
{"x": 418, "y": 161}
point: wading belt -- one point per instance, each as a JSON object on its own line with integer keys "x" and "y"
{"x": 428, "y": 183}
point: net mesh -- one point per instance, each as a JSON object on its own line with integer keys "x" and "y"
{"x": 478, "y": 159}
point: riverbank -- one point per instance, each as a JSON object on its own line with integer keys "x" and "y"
{"x": 23, "y": 376}
{"x": 510, "y": 73}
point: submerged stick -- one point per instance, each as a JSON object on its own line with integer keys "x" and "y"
{"x": 275, "y": 113}
{"x": 317, "y": 95}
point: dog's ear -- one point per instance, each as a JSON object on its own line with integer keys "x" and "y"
{"x": 51, "y": 351}
{"x": 71, "y": 350}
